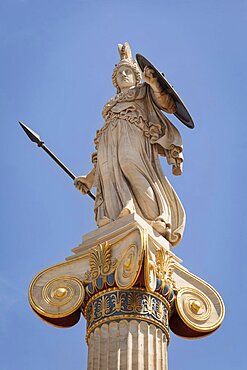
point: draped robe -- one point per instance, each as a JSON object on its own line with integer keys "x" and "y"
{"x": 128, "y": 174}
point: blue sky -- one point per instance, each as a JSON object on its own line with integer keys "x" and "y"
{"x": 56, "y": 62}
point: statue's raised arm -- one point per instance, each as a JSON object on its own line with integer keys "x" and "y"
{"x": 127, "y": 172}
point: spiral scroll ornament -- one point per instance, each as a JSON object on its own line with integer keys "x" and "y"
{"x": 197, "y": 311}
{"x": 58, "y": 298}
{"x": 129, "y": 266}
{"x": 150, "y": 275}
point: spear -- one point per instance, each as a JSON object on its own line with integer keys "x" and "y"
{"x": 33, "y": 136}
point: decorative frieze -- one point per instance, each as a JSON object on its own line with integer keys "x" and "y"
{"x": 135, "y": 303}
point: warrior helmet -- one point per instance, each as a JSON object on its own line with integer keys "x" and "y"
{"x": 126, "y": 60}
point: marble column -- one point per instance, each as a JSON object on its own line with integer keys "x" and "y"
{"x": 127, "y": 345}
{"x": 127, "y": 329}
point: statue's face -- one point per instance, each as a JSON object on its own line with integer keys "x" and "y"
{"x": 125, "y": 77}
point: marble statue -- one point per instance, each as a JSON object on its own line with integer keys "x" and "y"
{"x": 127, "y": 173}
{"x": 123, "y": 277}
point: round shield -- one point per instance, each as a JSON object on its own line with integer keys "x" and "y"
{"x": 181, "y": 111}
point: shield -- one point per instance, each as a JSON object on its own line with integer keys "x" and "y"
{"x": 181, "y": 111}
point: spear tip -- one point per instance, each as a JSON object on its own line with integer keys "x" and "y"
{"x": 33, "y": 136}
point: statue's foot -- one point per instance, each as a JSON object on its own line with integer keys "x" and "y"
{"x": 162, "y": 227}
{"x": 104, "y": 221}
{"x": 124, "y": 212}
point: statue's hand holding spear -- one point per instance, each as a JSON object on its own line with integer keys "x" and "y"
{"x": 85, "y": 183}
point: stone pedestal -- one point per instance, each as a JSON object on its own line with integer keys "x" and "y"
{"x": 131, "y": 288}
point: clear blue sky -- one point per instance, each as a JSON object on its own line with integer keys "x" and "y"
{"x": 56, "y": 62}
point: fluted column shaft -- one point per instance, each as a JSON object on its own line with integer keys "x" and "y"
{"x": 127, "y": 345}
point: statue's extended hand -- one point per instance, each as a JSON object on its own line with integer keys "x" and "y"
{"x": 82, "y": 184}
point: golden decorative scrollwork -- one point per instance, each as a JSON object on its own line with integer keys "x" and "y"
{"x": 129, "y": 266}
{"x": 165, "y": 267}
{"x": 100, "y": 262}
{"x": 150, "y": 275}
{"x": 134, "y": 302}
{"x": 159, "y": 267}
{"x": 58, "y": 298}
{"x": 196, "y": 310}
{"x": 118, "y": 301}
{"x": 160, "y": 312}
{"x": 104, "y": 306}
